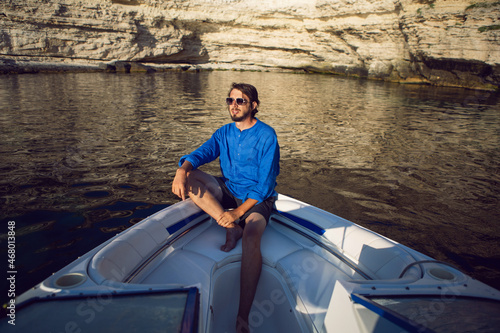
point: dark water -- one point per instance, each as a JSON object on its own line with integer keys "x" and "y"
{"x": 84, "y": 156}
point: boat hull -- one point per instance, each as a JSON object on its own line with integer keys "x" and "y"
{"x": 320, "y": 273}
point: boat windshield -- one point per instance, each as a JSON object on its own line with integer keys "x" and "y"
{"x": 436, "y": 313}
{"x": 166, "y": 311}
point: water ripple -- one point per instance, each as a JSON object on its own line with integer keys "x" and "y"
{"x": 403, "y": 160}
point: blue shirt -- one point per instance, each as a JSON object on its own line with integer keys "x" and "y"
{"x": 249, "y": 159}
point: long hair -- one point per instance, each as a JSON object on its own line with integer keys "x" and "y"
{"x": 248, "y": 90}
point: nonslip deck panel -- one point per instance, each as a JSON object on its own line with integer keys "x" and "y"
{"x": 374, "y": 254}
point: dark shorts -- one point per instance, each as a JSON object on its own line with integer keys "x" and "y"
{"x": 265, "y": 208}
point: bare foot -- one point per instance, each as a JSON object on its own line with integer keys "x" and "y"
{"x": 232, "y": 236}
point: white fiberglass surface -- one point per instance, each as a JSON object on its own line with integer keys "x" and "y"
{"x": 273, "y": 309}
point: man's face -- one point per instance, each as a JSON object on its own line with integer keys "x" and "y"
{"x": 240, "y": 112}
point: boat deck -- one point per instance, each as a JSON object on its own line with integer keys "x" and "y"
{"x": 305, "y": 252}
{"x": 320, "y": 273}
{"x": 294, "y": 277}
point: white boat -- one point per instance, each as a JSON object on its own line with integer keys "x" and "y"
{"x": 321, "y": 273}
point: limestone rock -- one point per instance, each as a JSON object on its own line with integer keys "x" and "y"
{"x": 442, "y": 42}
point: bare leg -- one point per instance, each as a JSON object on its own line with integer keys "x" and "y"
{"x": 205, "y": 192}
{"x": 251, "y": 267}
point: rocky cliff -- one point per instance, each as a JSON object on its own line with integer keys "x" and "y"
{"x": 441, "y": 42}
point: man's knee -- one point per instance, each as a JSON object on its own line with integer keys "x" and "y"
{"x": 254, "y": 227}
{"x": 194, "y": 176}
{"x": 199, "y": 182}
{"x": 194, "y": 185}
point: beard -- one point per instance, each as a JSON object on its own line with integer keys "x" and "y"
{"x": 240, "y": 117}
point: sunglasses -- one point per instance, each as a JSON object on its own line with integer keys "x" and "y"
{"x": 239, "y": 101}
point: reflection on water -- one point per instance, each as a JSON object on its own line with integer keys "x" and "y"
{"x": 85, "y": 155}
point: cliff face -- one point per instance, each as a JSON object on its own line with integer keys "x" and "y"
{"x": 442, "y": 42}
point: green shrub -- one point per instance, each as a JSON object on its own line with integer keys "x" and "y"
{"x": 489, "y": 28}
{"x": 483, "y": 5}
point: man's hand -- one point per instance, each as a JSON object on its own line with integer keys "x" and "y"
{"x": 179, "y": 185}
{"x": 228, "y": 218}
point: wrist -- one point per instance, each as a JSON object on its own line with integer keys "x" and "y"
{"x": 238, "y": 212}
{"x": 185, "y": 167}
{"x": 181, "y": 170}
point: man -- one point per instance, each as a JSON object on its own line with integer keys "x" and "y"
{"x": 248, "y": 153}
